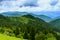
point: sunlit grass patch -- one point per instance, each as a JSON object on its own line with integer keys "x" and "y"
{"x": 5, "y": 37}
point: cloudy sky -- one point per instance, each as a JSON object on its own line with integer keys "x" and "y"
{"x": 45, "y": 6}
{"x": 29, "y": 5}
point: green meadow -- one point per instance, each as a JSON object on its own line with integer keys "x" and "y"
{"x": 5, "y": 37}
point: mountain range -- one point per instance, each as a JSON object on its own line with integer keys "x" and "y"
{"x": 25, "y": 19}
{"x": 56, "y": 23}
{"x": 53, "y": 21}
{"x": 17, "y": 14}
{"x": 27, "y": 26}
{"x": 44, "y": 17}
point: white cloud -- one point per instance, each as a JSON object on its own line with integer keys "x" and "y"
{"x": 20, "y": 5}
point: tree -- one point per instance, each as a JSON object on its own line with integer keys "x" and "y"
{"x": 32, "y": 34}
{"x": 17, "y": 31}
{"x": 25, "y": 35}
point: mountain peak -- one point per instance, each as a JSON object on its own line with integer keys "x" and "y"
{"x": 29, "y": 16}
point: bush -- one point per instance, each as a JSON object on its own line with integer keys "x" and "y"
{"x": 40, "y": 36}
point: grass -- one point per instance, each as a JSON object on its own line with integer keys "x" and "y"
{"x": 5, "y": 37}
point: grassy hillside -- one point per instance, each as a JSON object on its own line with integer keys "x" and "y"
{"x": 5, "y": 37}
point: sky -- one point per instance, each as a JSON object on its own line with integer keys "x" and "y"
{"x": 29, "y": 5}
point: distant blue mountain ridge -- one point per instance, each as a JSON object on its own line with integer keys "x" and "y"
{"x": 13, "y": 13}
{"x": 41, "y": 16}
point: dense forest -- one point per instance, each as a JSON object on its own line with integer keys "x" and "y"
{"x": 28, "y": 27}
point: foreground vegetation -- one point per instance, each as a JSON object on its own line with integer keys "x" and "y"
{"x": 5, "y": 37}
{"x": 28, "y": 27}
